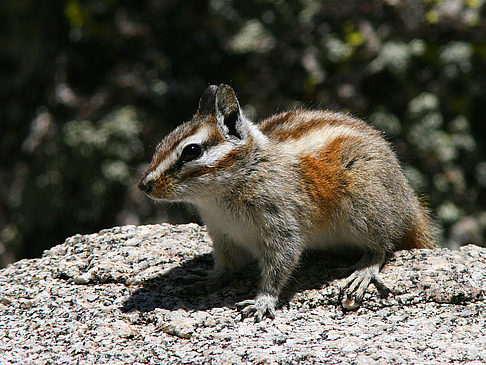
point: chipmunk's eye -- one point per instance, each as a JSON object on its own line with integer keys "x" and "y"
{"x": 191, "y": 152}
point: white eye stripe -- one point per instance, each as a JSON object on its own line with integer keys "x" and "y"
{"x": 163, "y": 166}
{"x": 216, "y": 154}
{"x": 200, "y": 137}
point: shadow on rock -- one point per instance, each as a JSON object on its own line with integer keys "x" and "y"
{"x": 170, "y": 291}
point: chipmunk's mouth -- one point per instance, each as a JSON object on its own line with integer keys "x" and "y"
{"x": 157, "y": 189}
{"x": 146, "y": 186}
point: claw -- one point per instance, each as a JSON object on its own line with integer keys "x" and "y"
{"x": 354, "y": 287}
{"x": 381, "y": 286}
{"x": 245, "y": 303}
{"x": 349, "y": 303}
{"x": 367, "y": 271}
{"x": 260, "y": 307}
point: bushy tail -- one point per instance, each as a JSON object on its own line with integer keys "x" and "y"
{"x": 423, "y": 232}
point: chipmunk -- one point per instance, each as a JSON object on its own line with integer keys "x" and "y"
{"x": 297, "y": 180}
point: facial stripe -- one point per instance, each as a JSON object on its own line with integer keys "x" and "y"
{"x": 171, "y": 155}
{"x": 170, "y": 143}
{"x": 223, "y": 157}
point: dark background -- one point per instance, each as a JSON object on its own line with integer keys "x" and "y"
{"x": 87, "y": 88}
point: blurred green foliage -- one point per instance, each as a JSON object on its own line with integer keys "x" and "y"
{"x": 89, "y": 87}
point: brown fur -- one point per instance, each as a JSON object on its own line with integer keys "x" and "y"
{"x": 214, "y": 138}
{"x": 325, "y": 178}
{"x": 269, "y": 125}
{"x": 420, "y": 233}
{"x": 164, "y": 185}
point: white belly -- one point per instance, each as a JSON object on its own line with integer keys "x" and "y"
{"x": 237, "y": 230}
{"x": 241, "y": 232}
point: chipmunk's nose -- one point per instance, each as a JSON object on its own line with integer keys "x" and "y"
{"x": 145, "y": 186}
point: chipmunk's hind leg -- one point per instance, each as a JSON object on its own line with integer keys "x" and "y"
{"x": 367, "y": 270}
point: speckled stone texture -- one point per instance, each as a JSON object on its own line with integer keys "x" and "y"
{"x": 117, "y": 297}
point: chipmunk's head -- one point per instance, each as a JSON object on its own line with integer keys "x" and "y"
{"x": 201, "y": 156}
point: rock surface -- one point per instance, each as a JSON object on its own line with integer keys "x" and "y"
{"x": 117, "y": 297}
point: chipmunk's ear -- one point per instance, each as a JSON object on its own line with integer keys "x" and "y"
{"x": 208, "y": 101}
{"x": 228, "y": 111}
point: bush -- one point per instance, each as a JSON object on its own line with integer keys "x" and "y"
{"x": 90, "y": 87}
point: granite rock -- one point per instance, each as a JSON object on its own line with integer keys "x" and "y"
{"x": 118, "y": 297}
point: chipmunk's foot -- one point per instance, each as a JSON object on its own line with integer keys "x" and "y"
{"x": 262, "y": 306}
{"x": 354, "y": 287}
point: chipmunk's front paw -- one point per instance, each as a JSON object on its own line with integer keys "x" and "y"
{"x": 191, "y": 276}
{"x": 355, "y": 286}
{"x": 260, "y": 307}
{"x": 207, "y": 284}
